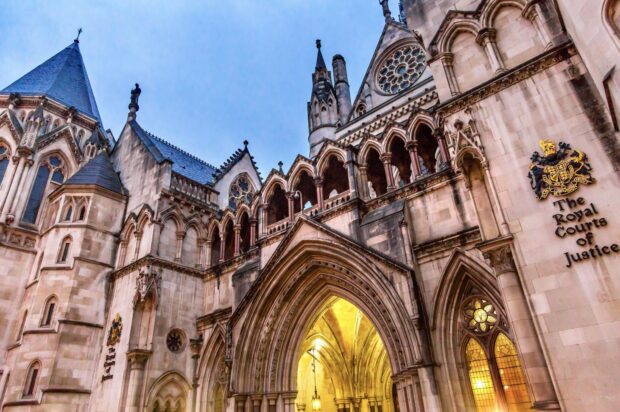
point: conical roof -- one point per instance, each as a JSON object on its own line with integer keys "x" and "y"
{"x": 62, "y": 78}
{"x": 99, "y": 172}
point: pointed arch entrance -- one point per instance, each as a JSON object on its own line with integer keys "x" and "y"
{"x": 271, "y": 322}
{"x": 342, "y": 363}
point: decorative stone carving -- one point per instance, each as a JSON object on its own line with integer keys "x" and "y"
{"x": 501, "y": 259}
{"x": 148, "y": 286}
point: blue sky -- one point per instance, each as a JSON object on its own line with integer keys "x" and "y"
{"x": 212, "y": 72}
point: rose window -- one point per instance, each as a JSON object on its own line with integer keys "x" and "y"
{"x": 401, "y": 69}
{"x": 480, "y": 315}
{"x": 175, "y": 340}
{"x": 241, "y": 191}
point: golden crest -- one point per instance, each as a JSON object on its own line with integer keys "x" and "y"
{"x": 558, "y": 172}
{"x": 114, "y": 336}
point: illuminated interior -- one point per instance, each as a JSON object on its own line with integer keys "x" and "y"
{"x": 344, "y": 354}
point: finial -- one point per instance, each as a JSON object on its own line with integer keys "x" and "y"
{"x": 386, "y": 10}
{"x": 133, "y": 104}
{"x": 318, "y": 44}
{"x": 77, "y": 39}
{"x": 246, "y": 143}
{"x": 280, "y": 164}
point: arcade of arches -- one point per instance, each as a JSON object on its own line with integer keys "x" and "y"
{"x": 344, "y": 362}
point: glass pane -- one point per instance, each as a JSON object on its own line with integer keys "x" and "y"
{"x": 58, "y": 177}
{"x": 4, "y": 163}
{"x": 511, "y": 373}
{"x": 480, "y": 377}
{"x": 36, "y": 196}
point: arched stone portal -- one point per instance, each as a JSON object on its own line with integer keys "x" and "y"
{"x": 343, "y": 364}
{"x": 271, "y": 323}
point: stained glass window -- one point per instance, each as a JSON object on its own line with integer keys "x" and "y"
{"x": 241, "y": 191}
{"x": 4, "y": 160}
{"x": 480, "y": 315}
{"x": 401, "y": 69}
{"x": 52, "y": 166}
{"x": 480, "y": 377}
{"x": 511, "y": 374}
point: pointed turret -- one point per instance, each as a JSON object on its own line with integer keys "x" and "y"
{"x": 62, "y": 78}
{"x": 323, "y": 106}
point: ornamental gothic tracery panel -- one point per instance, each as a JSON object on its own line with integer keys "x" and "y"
{"x": 401, "y": 69}
{"x": 241, "y": 191}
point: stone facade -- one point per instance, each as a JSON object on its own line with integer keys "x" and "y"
{"x": 148, "y": 280}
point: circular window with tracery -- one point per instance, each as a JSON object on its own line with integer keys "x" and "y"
{"x": 480, "y": 315}
{"x": 401, "y": 69}
{"x": 175, "y": 340}
{"x": 241, "y": 191}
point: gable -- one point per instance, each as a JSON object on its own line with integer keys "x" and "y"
{"x": 244, "y": 165}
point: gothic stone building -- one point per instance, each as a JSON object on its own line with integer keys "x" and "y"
{"x": 448, "y": 244}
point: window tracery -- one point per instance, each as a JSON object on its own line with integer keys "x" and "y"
{"x": 51, "y": 171}
{"x": 175, "y": 341}
{"x": 401, "y": 69}
{"x": 241, "y": 191}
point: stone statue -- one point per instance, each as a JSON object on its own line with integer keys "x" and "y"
{"x": 135, "y": 95}
{"x": 371, "y": 191}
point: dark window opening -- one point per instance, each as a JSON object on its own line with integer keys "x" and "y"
{"x": 244, "y": 234}
{"x": 229, "y": 241}
{"x": 335, "y": 178}
{"x": 305, "y": 186}
{"x": 428, "y": 150}
{"x": 215, "y": 246}
{"x": 375, "y": 174}
{"x": 401, "y": 162}
{"x": 278, "y": 206}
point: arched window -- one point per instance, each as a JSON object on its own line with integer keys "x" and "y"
{"x": 494, "y": 371}
{"x": 401, "y": 162}
{"x": 305, "y": 186}
{"x": 229, "y": 240}
{"x": 278, "y": 205}
{"x": 32, "y": 376}
{"x": 65, "y": 247}
{"x": 68, "y": 214}
{"x": 428, "y": 150}
{"x": 335, "y": 178}
{"x": 82, "y": 213}
{"x": 215, "y": 246}
{"x": 241, "y": 191}
{"x": 50, "y": 172}
{"x": 48, "y": 312}
{"x": 375, "y": 174}
{"x": 244, "y": 233}
{"x": 5, "y": 155}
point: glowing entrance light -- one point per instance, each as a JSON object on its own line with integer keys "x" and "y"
{"x": 316, "y": 399}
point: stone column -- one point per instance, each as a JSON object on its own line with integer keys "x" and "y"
{"x": 202, "y": 252}
{"x": 137, "y": 359}
{"x": 264, "y": 211}
{"x": 253, "y": 223}
{"x": 443, "y": 146}
{"x": 237, "y": 230}
{"x": 14, "y": 199}
{"x": 350, "y": 167}
{"x": 136, "y": 251}
{"x": 222, "y": 246}
{"x": 289, "y": 401}
{"x": 209, "y": 246}
{"x": 386, "y": 158}
{"x": 318, "y": 181}
{"x": 8, "y": 180}
{"x": 503, "y": 225}
{"x": 447, "y": 60}
{"x": 272, "y": 402}
{"x": 180, "y": 237}
{"x": 486, "y": 38}
{"x": 291, "y": 206}
{"x": 195, "y": 346}
{"x": 531, "y": 12}
{"x": 412, "y": 148}
{"x": 363, "y": 190}
{"x": 240, "y": 403}
{"x": 257, "y": 400}
{"x": 526, "y": 339}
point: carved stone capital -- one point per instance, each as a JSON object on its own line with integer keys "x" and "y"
{"x": 386, "y": 157}
{"x": 195, "y": 346}
{"x": 137, "y": 358}
{"x": 411, "y": 145}
{"x": 501, "y": 259}
{"x": 486, "y": 35}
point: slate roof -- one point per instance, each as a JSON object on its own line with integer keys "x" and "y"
{"x": 99, "y": 172}
{"x": 183, "y": 163}
{"x": 62, "y": 78}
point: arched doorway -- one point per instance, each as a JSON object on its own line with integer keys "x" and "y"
{"x": 343, "y": 364}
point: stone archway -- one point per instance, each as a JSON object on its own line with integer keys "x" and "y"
{"x": 272, "y": 321}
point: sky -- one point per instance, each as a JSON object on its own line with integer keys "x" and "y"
{"x": 213, "y": 72}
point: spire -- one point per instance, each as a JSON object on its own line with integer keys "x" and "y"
{"x": 386, "y": 10}
{"x": 62, "y": 78}
{"x": 320, "y": 62}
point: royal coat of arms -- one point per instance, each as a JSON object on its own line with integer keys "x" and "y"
{"x": 114, "y": 336}
{"x": 558, "y": 172}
